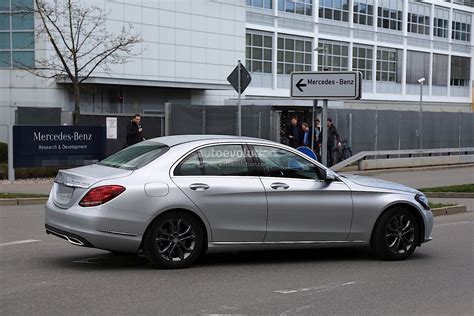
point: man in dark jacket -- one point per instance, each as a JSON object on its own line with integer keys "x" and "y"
{"x": 134, "y": 131}
{"x": 333, "y": 141}
{"x": 295, "y": 133}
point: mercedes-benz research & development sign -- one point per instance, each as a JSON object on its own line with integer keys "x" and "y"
{"x": 328, "y": 85}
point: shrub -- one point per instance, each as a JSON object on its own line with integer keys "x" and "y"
{"x": 28, "y": 173}
{"x": 3, "y": 152}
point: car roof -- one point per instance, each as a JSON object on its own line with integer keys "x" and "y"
{"x": 181, "y": 139}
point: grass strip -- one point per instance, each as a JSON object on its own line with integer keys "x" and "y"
{"x": 463, "y": 188}
{"x": 9, "y": 195}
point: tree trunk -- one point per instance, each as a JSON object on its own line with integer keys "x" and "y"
{"x": 77, "y": 101}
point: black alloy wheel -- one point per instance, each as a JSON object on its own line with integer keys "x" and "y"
{"x": 174, "y": 240}
{"x": 396, "y": 234}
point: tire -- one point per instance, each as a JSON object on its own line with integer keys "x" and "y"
{"x": 174, "y": 241}
{"x": 396, "y": 234}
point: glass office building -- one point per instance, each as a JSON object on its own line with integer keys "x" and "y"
{"x": 190, "y": 47}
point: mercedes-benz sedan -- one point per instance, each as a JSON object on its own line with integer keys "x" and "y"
{"x": 176, "y": 197}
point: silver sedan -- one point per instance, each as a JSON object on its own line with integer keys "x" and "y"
{"x": 177, "y": 197}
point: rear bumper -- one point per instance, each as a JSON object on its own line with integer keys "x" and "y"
{"x": 100, "y": 227}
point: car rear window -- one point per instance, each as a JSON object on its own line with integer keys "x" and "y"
{"x": 136, "y": 156}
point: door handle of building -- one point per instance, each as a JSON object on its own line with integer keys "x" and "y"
{"x": 279, "y": 185}
{"x": 199, "y": 186}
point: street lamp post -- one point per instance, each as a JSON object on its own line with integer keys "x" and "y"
{"x": 421, "y": 81}
{"x": 324, "y": 150}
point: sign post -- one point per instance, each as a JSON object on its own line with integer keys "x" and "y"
{"x": 326, "y": 85}
{"x": 239, "y": 79}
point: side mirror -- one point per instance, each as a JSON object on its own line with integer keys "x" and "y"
{"x": 329, "y": 177}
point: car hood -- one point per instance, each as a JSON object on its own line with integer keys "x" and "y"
{"x": 377, "y": 183}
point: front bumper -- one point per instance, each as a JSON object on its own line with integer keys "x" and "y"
{"x": 428, "y": 221}
{"x": 100, "y": 227}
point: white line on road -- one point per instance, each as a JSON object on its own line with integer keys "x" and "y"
{"x": 11, "y": 243}
{"x": 457, "y": 223}
{"x": 316, "y": 289}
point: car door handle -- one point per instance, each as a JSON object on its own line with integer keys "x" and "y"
{"x": 279, "y": 185}
{"x": 199, "y": 186}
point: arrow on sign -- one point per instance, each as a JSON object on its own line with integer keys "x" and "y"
{"x": 299, "y": 85}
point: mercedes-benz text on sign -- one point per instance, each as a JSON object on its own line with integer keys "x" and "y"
{"x": 326, "y": 85}
{"x": 57, "y": 145}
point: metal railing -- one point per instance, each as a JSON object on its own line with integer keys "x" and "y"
{"x": 406, "y": 153}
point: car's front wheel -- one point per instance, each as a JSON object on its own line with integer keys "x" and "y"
{"x": 396, "y": 234}
{"x": 174, "y": 241}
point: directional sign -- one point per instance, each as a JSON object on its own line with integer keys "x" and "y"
{"x": 330, "y": 85}
{"x": 245, "y": 78}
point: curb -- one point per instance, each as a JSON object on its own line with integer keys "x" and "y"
{"x": 458, "y": 195}
{"x": 23, "y": 201}
{"x": 449, "y": 210}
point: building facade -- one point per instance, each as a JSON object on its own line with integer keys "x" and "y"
{"x": 189, "y": 48}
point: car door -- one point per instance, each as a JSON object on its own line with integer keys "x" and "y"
{"x": 301, "y": 205}
{"x": 218, "y": 180}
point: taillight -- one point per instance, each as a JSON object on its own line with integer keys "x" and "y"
{"x": 101, "y": 195}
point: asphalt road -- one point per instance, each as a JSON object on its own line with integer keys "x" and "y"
{"x": 49, "y": 276}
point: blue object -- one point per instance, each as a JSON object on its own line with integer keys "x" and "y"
{"x": 307, "y": 151}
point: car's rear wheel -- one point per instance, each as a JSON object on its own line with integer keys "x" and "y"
{"x": 396, "y": 234}
{"x": 174, "y": 241}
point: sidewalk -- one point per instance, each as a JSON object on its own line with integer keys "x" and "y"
{"x": 27, "y": 186}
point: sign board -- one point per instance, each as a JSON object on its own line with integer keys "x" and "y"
{"x": 342, "y": 85}
{"x": 53, "y": 146}
{"x": 111, "y": 127}
{"x": 245, "y": 78}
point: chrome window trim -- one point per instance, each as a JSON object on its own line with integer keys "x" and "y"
{"x": 252, "y": 143}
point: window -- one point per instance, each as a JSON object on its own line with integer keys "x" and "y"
{"x": 258, "y": 52}
{"x": 191, "y": 166}
{"x": 136, "y": 156}
{"x": 337, "y": 53}
{"x": 390, "y": 14}
{"x": 334, "y": 10}
{"x": 387, "y": 64}
{"x": 460, "y": 71}
{"x": 294, "y": 54}
{"x": 461, "y": 26}
{"x": 418, "y": 66}
{"x": 303, "y": 7}
{"x": 440, "y": 70}
{"x": 220, "y": 160}
{"x": 280, "y": 163}
{"x": 441, "y": 20}
{"x": 17, "y": 40}
{"x": 419, "y": 18}
{"x": 362, "y": 60}
{"x": 364, "y": 12}
{"x": 266, "y": 4}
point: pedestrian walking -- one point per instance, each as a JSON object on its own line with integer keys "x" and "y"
{"x": 134, "y": 131}
{"x": 333, "y": 141}
{"x": 295, "y": 133}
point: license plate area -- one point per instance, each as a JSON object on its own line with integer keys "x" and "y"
{"x": 63, "y": 194}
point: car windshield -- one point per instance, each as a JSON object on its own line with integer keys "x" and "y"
{"x": 136, "y": 156}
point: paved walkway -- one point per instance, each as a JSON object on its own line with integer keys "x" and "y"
{"x": 27, "y": 187}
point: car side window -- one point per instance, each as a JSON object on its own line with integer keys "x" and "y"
{"x": 190, "y": 166}
{"x": 224, "y": 160}
{"x": 277, "y": 162}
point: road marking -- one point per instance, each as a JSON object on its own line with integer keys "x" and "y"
{"x": 297, "y": 309}
{"x": 11, "y": 243}
{"x": 89, "y": 260}
{"x": 457, "y": 223}
{"x": 26, "y": 287}
{"x": 314, "y": 289}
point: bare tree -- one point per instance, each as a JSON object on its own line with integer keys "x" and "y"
{"x": 81, "y": 42}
